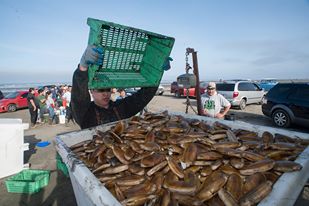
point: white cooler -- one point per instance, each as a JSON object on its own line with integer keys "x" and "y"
{"x": 12, "y": 146}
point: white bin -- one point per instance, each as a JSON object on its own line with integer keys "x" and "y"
{"x": 12, "y": 146}
{"x": 89, "y": 191}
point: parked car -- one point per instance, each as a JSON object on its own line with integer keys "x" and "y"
{"x": 13, "y": 101}
{"x": 241, "y": 93}
{"x": 130, "y": 91}
{"x": 268, "y": 83}
{"x": 287, "y": 103}
{"x": 160, "y": 90}
{"x": 174, "y": 87}
{"x": 179, "y": 91}
{"x": 1, "y": 95}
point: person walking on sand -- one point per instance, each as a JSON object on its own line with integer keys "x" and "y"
{"x": 33, "y": 107}
{"x": 214, "y": 104}
{"x": 102, "y": 110}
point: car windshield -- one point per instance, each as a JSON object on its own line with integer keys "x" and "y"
{"x": 203, "y": 84}
{"x": 267, "y": 81}
{"x": 225, "y": 87}
{"x": 12, "y": 95}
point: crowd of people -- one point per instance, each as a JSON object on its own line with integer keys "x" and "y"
{"x": 50, "y": 105}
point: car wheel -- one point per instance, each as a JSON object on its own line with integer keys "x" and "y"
{"x": 281, "y": 118}
{"x": 177, "y": 94}
{"x": 12, "y": 108}
{"x": 242, "y": 104}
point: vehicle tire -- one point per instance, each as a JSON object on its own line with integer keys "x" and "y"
{"x": 177, "y": 94}
{"x": 12, "y": 108}
{"x": 242, "y": 104}
{"x": 161, "y": 93}
{"x": 281, "y": 118}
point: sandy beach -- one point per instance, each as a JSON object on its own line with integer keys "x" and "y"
{"x": 59, "y": 191}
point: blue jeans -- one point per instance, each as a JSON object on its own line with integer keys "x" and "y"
{"x": 51, "y": 112}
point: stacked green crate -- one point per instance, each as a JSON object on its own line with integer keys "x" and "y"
{"x": 28, "y": 181}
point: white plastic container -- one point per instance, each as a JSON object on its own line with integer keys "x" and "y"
{"x": 89, "y": 191}
{"x": 61, "y": 119}
{"x": 12, "y": 146}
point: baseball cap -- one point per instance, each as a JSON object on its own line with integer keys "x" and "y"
{"x": 211, "y": 85}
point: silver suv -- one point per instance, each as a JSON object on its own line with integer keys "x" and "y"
{"x": 241, "y": 93}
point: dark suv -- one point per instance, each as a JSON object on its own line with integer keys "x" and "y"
{"x": 288, "y": 103}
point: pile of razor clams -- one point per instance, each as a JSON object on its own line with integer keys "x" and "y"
{"x": 162, "y": 159}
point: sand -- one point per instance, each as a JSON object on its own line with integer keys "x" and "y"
{"x": 59, "y": 191}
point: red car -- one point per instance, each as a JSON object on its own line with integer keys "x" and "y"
{"x": 180, "y": 91}
{"x": 13, "y": 101}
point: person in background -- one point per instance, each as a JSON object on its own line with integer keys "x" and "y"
{"x": 1, "y": 95}
{"x": 122, "y": 94}
{"x": 33, "y": 107}
{"x": 54, "y": 91}
{"x": 102, "y": 109}
{"x": 67, "y": 97}
{"x": 45, "y": 90}
{"x": 42, "y": 103}
{"x": 50, "y": 105}
{"x": 114, "y": 94}
{"x": 214, "y": 104}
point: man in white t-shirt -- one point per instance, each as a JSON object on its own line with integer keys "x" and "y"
{"x": 214, "y": 104}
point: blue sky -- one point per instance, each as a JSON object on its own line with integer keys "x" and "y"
{"x": 42, "y": 41}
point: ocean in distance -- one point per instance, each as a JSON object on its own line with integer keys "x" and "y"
{"x": 12, "y": 87}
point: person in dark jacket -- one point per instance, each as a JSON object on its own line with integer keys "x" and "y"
{"x": 33, "y": 106}
{"x": 102, "y": 110}
{"x": 1, "y": 95}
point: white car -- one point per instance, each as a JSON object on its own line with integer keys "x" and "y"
{"x": 160, "y": 90}
{"x": 241, "y": 93}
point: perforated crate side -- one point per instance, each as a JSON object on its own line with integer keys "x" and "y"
{"x": 132, "y": 57}
{"x": 28, "y": 181}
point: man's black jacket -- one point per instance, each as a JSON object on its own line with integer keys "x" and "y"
{"x": 87, "y": 114}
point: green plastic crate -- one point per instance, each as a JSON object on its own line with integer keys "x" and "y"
{"x": 132, "y": 57}
{"x": 28, "y": 181}
{"x": 61, "y": 166}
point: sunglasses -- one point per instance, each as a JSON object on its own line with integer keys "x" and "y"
{"x": 211, "y": 88}
{"x": 102, "y": 90}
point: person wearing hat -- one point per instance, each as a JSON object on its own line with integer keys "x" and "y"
{"x": 214, "y": 104}
{"x": 102, "y": 109}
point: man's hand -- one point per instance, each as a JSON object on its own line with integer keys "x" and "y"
{"x": 205, "y": 113}
{"x": 219, "y": 115}
{"x": 167, "y": 65}
{"x": 92, "y": 55}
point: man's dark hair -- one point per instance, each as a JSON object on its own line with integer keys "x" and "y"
{"x": 40, "y": 91}
{"x": 31, "y": 89}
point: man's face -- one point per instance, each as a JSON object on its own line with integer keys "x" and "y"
{"x": 211, "y": 91}
{"x": 101, "y": 97}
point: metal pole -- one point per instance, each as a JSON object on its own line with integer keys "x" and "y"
{"x": 197, "y": 86}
